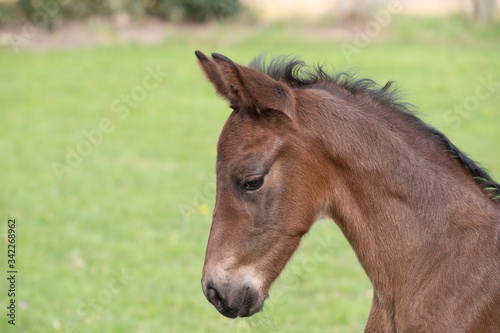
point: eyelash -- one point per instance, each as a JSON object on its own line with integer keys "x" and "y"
{"x": 253, "y": 184}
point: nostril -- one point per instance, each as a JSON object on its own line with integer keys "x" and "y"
{"x": 213, "y": 296}
{"x": 240, "y": 301}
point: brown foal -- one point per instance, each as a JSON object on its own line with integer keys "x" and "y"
{"x": 302, "y": 145}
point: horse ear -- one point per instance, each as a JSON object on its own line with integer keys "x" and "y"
{"x": 214, "y": 75}
{"x": 253, "y": 88}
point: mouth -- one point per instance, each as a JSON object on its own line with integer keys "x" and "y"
{"x": 241, "y": 302}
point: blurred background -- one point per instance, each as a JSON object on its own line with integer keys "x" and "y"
{"x": 108, "y": 143}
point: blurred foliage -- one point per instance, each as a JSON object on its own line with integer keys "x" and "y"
{"x": 194, "y": 10}
{"x": 46, "y": 13}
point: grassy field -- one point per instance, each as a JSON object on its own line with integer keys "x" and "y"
{"x": 107, "y": 164}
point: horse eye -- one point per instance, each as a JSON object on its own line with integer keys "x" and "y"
{"x": 254, "y": 184}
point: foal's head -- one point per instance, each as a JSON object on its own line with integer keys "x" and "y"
{"x": 267, "y": 197}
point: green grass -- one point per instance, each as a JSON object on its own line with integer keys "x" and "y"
{"x": 134, "y": 206}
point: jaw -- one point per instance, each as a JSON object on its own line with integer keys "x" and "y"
{"x": 240, "y": 291}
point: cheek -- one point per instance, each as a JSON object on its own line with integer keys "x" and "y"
{"x": 294, "y": 198}
{"x": 269, "y": 207}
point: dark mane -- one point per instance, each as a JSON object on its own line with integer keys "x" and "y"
{"x": 297, "y": 74}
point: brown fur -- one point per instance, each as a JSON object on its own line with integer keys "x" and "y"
{"x": 425, "y": 231}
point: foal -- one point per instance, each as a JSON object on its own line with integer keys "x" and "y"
{"x": 301, "y": 145}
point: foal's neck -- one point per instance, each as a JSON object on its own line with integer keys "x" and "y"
{"x": 395, "y": 192}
